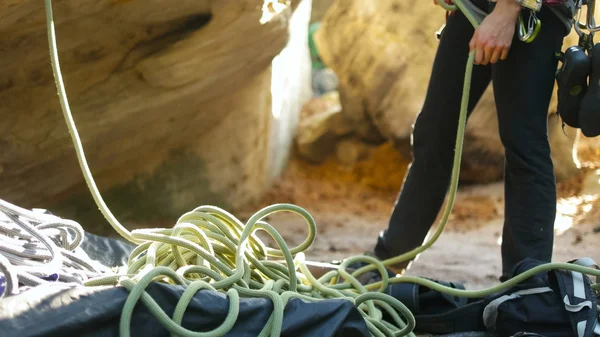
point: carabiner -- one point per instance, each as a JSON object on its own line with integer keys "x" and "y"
{"x": 591, "y": 22}
{"x": 529, "y": 34}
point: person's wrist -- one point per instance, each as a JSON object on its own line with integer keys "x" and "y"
{"x": 510, "y": 6}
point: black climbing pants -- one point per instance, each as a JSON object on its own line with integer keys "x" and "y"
{"x": 523, "y": 86}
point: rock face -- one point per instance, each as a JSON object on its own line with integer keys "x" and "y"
{"x": 176, "y": 106}
{"x": 321, "y": 126}
{"x": 382, "y": 52}
{"x": 320, "y": 7}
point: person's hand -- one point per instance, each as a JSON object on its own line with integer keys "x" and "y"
{"x": 493, "y": 38}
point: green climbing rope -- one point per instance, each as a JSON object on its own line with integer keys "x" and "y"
{"x": 209, "y": 248}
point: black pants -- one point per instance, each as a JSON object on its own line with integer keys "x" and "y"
{"x": 523, "y": 86}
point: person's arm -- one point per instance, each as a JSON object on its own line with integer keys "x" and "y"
{"x": 493, "y": 37}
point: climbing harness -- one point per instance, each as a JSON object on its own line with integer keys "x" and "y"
{"x": 38, "y": 248}
{"x": 209, "y": 248}
{"x": 447, "y": 6}
{"x": 527, "y": 33}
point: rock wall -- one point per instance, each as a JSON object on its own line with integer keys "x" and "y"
{"x": 175, "y": 104}
{"x": 320, "y": 7}
{"x": 382, "y": 51}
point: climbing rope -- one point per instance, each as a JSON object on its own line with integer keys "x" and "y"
{"x": 38, "y": 248}
{"x": 209, "y": 248}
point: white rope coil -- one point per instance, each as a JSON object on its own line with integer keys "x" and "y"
{"x": 39, "y": 248}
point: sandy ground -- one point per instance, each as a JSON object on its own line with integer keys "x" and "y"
{"x": 351, "y": 205}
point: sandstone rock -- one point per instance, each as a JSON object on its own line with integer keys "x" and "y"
{"x": 322, "y": 125}
{"x": 176, "y": 106}
{"x": 350, "y": 151}
{"x": 381, "y": 63}
{"x": 320, "y": 7}
{"x": 326, "y": 103}
{"x": 384, "y": 70}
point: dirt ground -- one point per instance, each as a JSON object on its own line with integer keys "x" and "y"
{"x": 351, "y": 205}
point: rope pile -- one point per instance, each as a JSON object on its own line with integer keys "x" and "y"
{"x": 38, "y": 248}
{"x": 208, "y": 248}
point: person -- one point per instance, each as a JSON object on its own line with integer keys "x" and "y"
{"x": 523, "y": 77}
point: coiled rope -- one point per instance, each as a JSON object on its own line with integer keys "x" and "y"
{"x": 38, "y": 248}
{"x": 208, "y": 248}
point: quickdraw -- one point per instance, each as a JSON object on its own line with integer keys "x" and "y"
{"x": 534, "y": 25}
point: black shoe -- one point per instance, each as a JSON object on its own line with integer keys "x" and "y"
{"x": 381, "y": 253}
{"x": 572, "y": 80}
{"x": 589, "y": 113}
